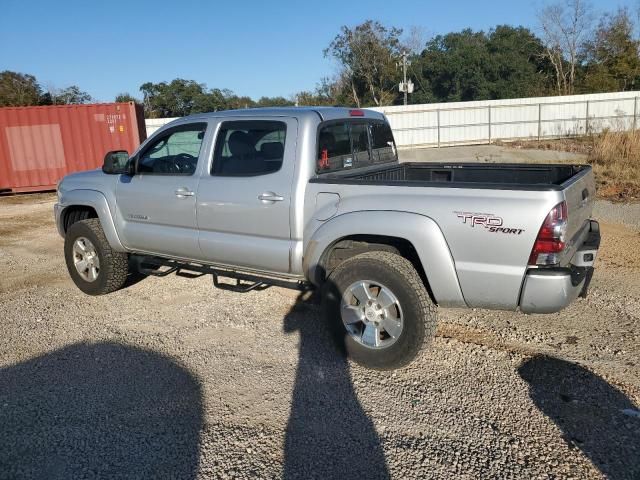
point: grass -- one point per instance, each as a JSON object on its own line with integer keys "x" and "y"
{"x": 614, "y": 156}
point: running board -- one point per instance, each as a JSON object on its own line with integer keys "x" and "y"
{"x": 245, "y": 282}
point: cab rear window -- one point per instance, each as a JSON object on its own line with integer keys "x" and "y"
{"x": 351, "y": 144}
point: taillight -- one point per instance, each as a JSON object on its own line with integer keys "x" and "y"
{"x": 356, "y": 113}
{"x": 551, "y": 238}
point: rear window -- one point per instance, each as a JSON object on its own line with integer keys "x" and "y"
{"x": 350, "y": 144}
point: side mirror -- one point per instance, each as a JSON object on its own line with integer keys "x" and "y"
{"x": 117, "y": 163}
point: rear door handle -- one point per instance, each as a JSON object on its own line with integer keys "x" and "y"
{"x": 270, "y": 197}
{"x": 183, "y": 193}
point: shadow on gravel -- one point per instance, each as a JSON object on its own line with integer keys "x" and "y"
{"x": 328, "y": 434}
{"x": 101, "y": 410}
{"x": 589, "y": 412}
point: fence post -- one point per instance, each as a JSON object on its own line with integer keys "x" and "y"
{"x": 635, "y": 111}
{"x": 489, "y": 124}
{"x": 438, "y": 112}
{"x": 586, "y": 120}
{"x": 539, "y": 121}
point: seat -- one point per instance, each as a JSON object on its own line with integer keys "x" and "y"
{"x": 244, "y": 158}
{"x": 272, "y": 150}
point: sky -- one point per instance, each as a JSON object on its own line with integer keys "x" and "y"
{"x": 255, "y": 48}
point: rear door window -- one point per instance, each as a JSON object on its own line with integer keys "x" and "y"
{"x": 249, "y": 148}
{"x": 350, "y": 144}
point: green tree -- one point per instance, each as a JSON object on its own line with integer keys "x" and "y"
{"x": 453, "y": 67}
{"x": 174, "y": 99}
{"x": 125, "y": 97}
{"x": 182, "y": 97}
{"x": 611, "y": 57}
{"x": 367, "y": 54}
{"x": 518, "y": 67}
{"x": 328, "y": 92}
{"x": 273, "y": 102}
{"x": 70, "y": 96}
{"x": 462, "y": 66}
{"x": 18, "y": 89}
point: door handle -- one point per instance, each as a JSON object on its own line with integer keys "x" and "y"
{"x": 183, "y": 193}
{"x": 270, "y": 197}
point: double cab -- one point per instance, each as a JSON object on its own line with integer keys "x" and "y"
{"x": 315, "y": 198}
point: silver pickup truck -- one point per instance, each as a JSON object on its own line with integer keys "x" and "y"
{"x": 316, "y": 197}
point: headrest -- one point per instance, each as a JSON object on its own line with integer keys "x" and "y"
{"x": 272, "y": 150}
{"x": 240, "y": 144}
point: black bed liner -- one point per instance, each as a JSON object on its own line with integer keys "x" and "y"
{"x": 503, "y": 176}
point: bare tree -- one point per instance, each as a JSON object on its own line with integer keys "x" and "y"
{"x": 565, "y": 26}
{"x": 415, "y": 40}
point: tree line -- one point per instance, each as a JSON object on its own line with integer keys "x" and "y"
{"x": 574, "y": 51}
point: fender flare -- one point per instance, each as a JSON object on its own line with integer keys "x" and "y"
{"x": 423, "y": 233}
{"x": 97, "y": 201}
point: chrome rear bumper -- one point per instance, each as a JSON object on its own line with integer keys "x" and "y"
{"x": 549, "y": 290}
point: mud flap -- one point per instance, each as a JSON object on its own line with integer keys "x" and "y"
{"x": 587, "y": 281}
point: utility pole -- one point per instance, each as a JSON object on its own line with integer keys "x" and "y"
{"x": 405, "y": 87}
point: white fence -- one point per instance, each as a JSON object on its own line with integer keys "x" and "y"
{"x": 442, "y": 124}
{"x": 154, "y": 124}
{"x": 459, "y": 123}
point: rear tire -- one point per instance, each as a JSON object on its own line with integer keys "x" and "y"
{"x": 397, "y": 309}
{"x": 93, "y": 265}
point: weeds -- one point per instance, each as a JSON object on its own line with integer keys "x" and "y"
{"x": 614, "y": 155}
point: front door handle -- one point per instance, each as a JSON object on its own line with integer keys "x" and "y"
{"x": 270, "y": 197}
{"x": 183, "y": 193}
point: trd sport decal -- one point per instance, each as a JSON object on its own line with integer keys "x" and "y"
{"x": 489, "y": 221}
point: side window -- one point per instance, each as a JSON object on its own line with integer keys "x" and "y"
{"x": 249, "y": 148}
{"x": 383, "y": 148}
{"x": 175, "y": 153}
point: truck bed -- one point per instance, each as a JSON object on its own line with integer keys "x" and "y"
{"x": 507, "y": 176}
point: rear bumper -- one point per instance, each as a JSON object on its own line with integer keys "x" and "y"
{"x": 549, "y": 290}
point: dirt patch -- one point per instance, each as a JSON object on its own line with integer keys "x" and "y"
{"x": 481, "y": 338}
{"x": 257, "y": 379}
{"x": 619, "y": 247}
{"x": 26, "y": 199}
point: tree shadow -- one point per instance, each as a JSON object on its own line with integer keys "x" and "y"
{"x": 590, "y": 413}
{"x": 99, "y": 410}
{"x": 328, "y": 435}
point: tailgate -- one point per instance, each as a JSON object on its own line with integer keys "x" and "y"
{"x": 579, "y": 193}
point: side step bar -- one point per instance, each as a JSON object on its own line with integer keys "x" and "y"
{"x": 245, "y": 282}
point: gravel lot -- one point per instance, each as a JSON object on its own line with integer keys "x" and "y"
{"x": 171, "y": 378}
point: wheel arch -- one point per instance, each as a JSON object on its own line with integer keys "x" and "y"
{"x": 415, "y": 237}
{"x": 96, "y": 205}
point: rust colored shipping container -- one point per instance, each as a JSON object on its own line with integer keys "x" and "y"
{"x": 40, "y": 145}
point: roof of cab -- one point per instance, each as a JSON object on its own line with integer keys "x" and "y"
{"x": 325, "y": 113}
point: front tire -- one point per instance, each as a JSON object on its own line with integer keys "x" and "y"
{"x": 380, "y": 309}
{"x": 93, "y": 265}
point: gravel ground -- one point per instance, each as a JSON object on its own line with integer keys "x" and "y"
{"x": 171, "y": 378}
